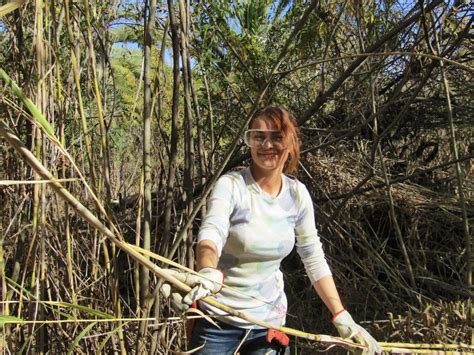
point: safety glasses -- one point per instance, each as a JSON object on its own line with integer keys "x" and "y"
{"x": 256, "y": 138}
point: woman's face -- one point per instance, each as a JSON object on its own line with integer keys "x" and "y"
{"x": 269, "y": 151}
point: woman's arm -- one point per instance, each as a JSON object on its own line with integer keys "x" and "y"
{"x": 206, "y": 254}
{"x": 214, "y": 229}
{"x": 309, "y": 248}
{"x": 326, "y": 289}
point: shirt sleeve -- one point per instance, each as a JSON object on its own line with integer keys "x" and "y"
{"x": 308, "y": 243}
{"x": 221, "y": 203}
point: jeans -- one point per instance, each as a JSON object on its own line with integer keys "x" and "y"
{"x": 228, "y": 339}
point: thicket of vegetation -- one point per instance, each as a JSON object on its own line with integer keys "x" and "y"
{"x": 138, "y": 107}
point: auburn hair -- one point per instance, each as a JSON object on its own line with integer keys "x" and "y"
{"x": 284, "y": 120}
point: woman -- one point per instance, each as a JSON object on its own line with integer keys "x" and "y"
{"x": 254, "y": 218}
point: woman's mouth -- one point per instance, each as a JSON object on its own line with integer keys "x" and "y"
{"x": 268, "y": 155}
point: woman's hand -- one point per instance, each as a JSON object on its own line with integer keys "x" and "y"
{"x": 208, "y": 282}
{"x": 347, "y": 328}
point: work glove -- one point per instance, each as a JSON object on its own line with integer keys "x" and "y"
{"x": 347, "y": 328}
{"x": 208, "y": 282}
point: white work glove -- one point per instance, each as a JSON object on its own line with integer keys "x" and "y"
{"x": 347, "y": 328}
{"x": 208, "y": 282}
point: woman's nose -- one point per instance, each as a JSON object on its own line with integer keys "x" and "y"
{"x": 269, "y": 141}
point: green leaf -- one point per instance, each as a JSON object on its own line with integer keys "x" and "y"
{"x": 35, "y": 112}
{"x": 10, "y": 320}
{"x": 80, "y": 336}
{"x": 107, "y": 338}
{"x": 92, "y": 311}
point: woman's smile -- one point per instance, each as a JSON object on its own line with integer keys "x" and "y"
{"x": 268, "y": 155}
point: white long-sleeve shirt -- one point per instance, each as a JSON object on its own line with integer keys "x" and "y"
{"x": 253, "y": 232}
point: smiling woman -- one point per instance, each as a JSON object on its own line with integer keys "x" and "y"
{"x": 281, "y": 125}
{"x": 255, "y": 218}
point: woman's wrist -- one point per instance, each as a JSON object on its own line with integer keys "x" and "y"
{"x": 335, "y": 314}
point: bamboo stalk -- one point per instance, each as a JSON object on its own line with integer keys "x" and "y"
{"x": 10, "y": 6}
{"x": 76, "y": 76}
{"x": 136, "y": 271}
{"x": 98, "y": 98}
{"x": 4, "y": 308}
{"x": 33, "y": 182}
{"x": 189, "y": 152}
{"x": 426, "y": 346}
{"x": 41, "y": 336}
{"x": 146, "y": 302}
{"x": 171, "y": 179}
{"x": 211, "y": 122}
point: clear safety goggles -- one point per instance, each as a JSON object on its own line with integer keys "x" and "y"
{"x": 256, "y": 138}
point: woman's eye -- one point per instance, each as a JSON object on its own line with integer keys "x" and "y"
{"x": 259, "y": 137}
{"x": 277, "y": 138}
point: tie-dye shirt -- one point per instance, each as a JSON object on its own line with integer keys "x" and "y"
{"x": 253, "y": 232}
